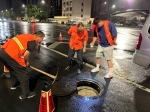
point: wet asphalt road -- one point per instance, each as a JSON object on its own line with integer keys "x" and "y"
{"x": 120, "y": 96}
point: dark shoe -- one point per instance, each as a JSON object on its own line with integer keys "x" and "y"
{"x": 31, "y": 95}
{"x": 15, "y": 86}
{"x": 69, "y": 66}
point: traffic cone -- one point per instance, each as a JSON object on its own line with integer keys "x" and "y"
{"x": 5, "y": 69}
{"x": 60, "y": 37}
{"x": 5, "y": 73}
{"x": 46, "y": 101}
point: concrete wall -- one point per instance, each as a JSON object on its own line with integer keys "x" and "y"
{"x": 77, "y": 6}
{"x": 87, "y": 8}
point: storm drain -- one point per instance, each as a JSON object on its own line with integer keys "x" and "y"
{"x": 88, "y": 88}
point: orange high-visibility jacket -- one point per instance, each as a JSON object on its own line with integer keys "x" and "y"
{"x": 6, "y": 40}
{"x": 107, "y": 32}
{"x": 17, "y": 46}
{"x": 77, "y": 38}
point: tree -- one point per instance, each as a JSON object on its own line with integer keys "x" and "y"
{"x": 34, "y": 11}
{"x": 17, "y": 12}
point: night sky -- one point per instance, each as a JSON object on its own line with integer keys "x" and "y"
{"x": 119, "y": 3}
{"x": 4, "y": 4}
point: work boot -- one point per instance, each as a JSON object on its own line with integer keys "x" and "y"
{"x": 30, "y": 95}
{"x": 69, "y": 66}
{"x": 15, "y": 86}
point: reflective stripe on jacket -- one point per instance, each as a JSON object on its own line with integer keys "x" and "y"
{"x": 107, "y": 33}
{"x": 17, "y": 46}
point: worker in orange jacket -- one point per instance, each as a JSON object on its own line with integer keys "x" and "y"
{"x": 78, "y": 41}
{"x": 14, "y": 55}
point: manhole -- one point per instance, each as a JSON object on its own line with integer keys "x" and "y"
{"x": 89, "y": 88}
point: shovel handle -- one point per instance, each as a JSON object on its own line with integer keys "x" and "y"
{"x": 49, "y": 75}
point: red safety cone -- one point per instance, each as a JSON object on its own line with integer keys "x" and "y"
{"x": 60, "y": 37}
{"x": 5, "y": 69}
{"x": 5, "y": 73}
{"x": 46, "y": 102}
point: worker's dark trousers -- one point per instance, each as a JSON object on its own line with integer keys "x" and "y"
{"x": 18, "y": 73}
{"x": 79, "y": 56}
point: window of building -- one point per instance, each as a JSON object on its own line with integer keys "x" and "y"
{"x": 64, "y": 9}
{"x": 81, "y": 10}
{"x": 71, "y": 3}
{"x": 81, "y": 15}
{"x": 70, "y": 14}
{"x": 70, "y": 8}
{"x": 82, "y": 4}
{"x": 149, "y": 30}
{"x": 67, "y": 3}
{"x": 63, "y": 14}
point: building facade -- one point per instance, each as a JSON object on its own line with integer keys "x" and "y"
{"x": 76, "y": 8}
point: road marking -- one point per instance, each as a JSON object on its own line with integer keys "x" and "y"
{"x": 119, "y": 70}
{"x": 133, "y": 83}
{"x": 54, "y": 45}
{"x": 59, "y": 52}
{"x": 118, "y": 73}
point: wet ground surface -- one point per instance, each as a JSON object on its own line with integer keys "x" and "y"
{"x": 120, "y": 95}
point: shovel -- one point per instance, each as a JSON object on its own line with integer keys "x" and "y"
{"x": 49, "y": 75}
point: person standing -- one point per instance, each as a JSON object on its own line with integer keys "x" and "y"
{"x": 14, "y": 55}
{"x": 78, "y": 41}
{"x": 106, "y": 34}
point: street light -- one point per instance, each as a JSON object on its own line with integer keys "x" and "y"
{"x": 1, "y": 11}
{"x": 105, "y": 3}
{"x": 6, "y": 10}
{"x": 43, "y": 1}
{"x": 113, "y": 6}
{"x": 23, "y": 5}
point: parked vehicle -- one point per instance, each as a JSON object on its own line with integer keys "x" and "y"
{"x": 52, "y": 20}
{"x": 140, "y": 25}
{"x": 34, "y": 20}
{"x": 141, "y": 55}
{"x": 2, "y": 20}
{"x": 118, "y": 24}
{"x": 71, "y": 23}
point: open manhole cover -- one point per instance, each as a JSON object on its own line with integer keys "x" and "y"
{"x": 89, "y": 88}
